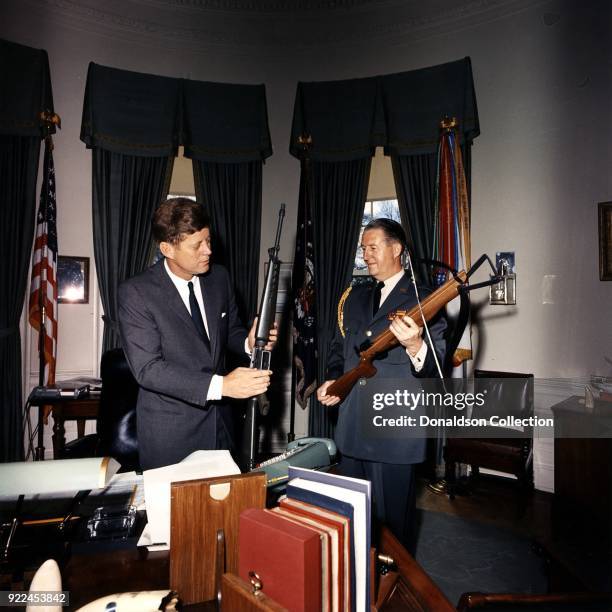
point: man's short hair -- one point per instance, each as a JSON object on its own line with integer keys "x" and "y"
{"x": 176, "y": 218}
{"x": 392, "y": 229}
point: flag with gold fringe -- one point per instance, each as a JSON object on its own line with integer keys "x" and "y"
{"x": 452, "y": 224}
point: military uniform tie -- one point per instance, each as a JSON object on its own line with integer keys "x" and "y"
{"x": 376, "y": 300}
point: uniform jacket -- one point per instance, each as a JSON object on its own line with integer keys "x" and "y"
{"x": 173, "y": 364}
{"x": 344, "y": 355}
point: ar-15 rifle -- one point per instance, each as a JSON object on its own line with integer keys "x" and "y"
{"x": 429, "y": 307}
{"x": 260, "y": 358}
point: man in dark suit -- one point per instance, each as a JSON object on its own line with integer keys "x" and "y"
{"x": 388, "y": 462}
{"x": 177, "y": 320}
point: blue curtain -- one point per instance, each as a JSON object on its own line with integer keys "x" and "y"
{"x": 126, "y": 191}
{"x": 231, "y": 193}
{"x": 18, "y": 169}
{"x": 339, "y": 191}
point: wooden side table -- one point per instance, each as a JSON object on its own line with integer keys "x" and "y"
{"x": 583, "y": 470}
{"x": 67, "y": 409}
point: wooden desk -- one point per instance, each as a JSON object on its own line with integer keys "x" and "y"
{"x": 583, "y": 471}
{"x": 89, "y": 576}
{"x": 78, "y": 410}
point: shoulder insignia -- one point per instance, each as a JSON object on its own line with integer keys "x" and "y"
{"x": 341, "y": 309}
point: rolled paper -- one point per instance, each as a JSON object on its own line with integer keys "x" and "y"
{"x": 57, "y": 476}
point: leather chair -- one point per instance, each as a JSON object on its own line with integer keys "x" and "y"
{"x": 117, "y": 414}
{"x": 513, "y": 455}
{"x": 116, "y": 424}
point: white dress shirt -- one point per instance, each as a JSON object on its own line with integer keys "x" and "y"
{"x": 215, "y": 389}
{"x": 419, "y": 359}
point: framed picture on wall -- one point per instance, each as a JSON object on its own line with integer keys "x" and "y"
{"x": 72, "y": 280}
{"x": 605, "y": 241}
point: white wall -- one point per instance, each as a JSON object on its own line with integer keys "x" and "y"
{"x": 541, "y": 164}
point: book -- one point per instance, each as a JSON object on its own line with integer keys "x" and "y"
{"x": 329, "y": 603}
{"x": 337, "y": 506}
{"x": 351, "y": 484}
{"x": 340, "y": 524}
{"x": 286, "y": 557}
{"x": 335, "y": 574}
{"x": 359, "y": 502}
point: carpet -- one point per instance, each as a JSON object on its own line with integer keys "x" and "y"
{"x": 461, "y": 555}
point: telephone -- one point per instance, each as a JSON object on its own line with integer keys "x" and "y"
{"x": 331, "y": 445}
{"x": 312, "y": 453}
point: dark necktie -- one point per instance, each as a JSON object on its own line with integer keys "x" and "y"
{"x": 376, "y": 300}
{"x": 196, "y": 314}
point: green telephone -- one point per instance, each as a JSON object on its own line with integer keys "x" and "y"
{"x": 312, "y": 453}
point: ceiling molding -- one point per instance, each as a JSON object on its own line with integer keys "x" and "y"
{"x": 245, "y": 26}
{"x": 267, "y": 6}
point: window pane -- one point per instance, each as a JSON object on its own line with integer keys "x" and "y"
{"x": 181, "y": 195}
{"x": 374, "y": 210}
{"x": 359, "y": 263}
{"x": 386, "y": 208}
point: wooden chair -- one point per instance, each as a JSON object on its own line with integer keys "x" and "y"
{"x": 512, "y": 455}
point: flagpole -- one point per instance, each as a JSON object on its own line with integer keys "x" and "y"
{"x": 39, "y": 454}
{"x": 48, "y": 122}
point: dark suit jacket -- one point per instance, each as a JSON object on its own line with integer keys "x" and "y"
{"x": 173, "y": 365}
{"x": 344, "y": 355}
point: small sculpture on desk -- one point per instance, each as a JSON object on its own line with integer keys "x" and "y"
{"x": 140, "y": 601}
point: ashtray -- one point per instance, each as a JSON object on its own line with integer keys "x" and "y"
{"x": 111, "y": 522}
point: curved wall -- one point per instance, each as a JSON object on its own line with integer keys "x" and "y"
{"x": 541, "y": 164}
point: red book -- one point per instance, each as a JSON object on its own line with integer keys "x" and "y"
{"x": 341, "y": 524}
{"x": 329, "y": 557}
{"x": 286, "y": 557}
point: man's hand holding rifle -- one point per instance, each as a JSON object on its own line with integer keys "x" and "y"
{"x": 243, "y": 383}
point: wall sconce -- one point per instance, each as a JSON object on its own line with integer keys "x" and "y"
{"x": 504, "y": 292}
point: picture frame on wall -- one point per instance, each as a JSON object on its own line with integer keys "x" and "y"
{"x": 605, "y": 241}
{"x": 72, "y": 280}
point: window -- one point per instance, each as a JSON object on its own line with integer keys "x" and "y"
{"x": 181, "y": 195}
{"x": 374, "y": 209}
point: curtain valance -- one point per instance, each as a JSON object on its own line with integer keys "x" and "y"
{"x": 26, "y": 89}
{"x": 225, "y": 122}
{"x": 147, "y": 115}
{"x": 402, "y": 112}
{"x": 415, "y": 102}
{"x": 130, "y": 112}
{"x": 343, "y": 118}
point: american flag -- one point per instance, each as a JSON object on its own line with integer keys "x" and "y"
{"x": 44, "y": 267}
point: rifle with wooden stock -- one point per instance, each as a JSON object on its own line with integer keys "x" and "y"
{"x": 430, "y": 306}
